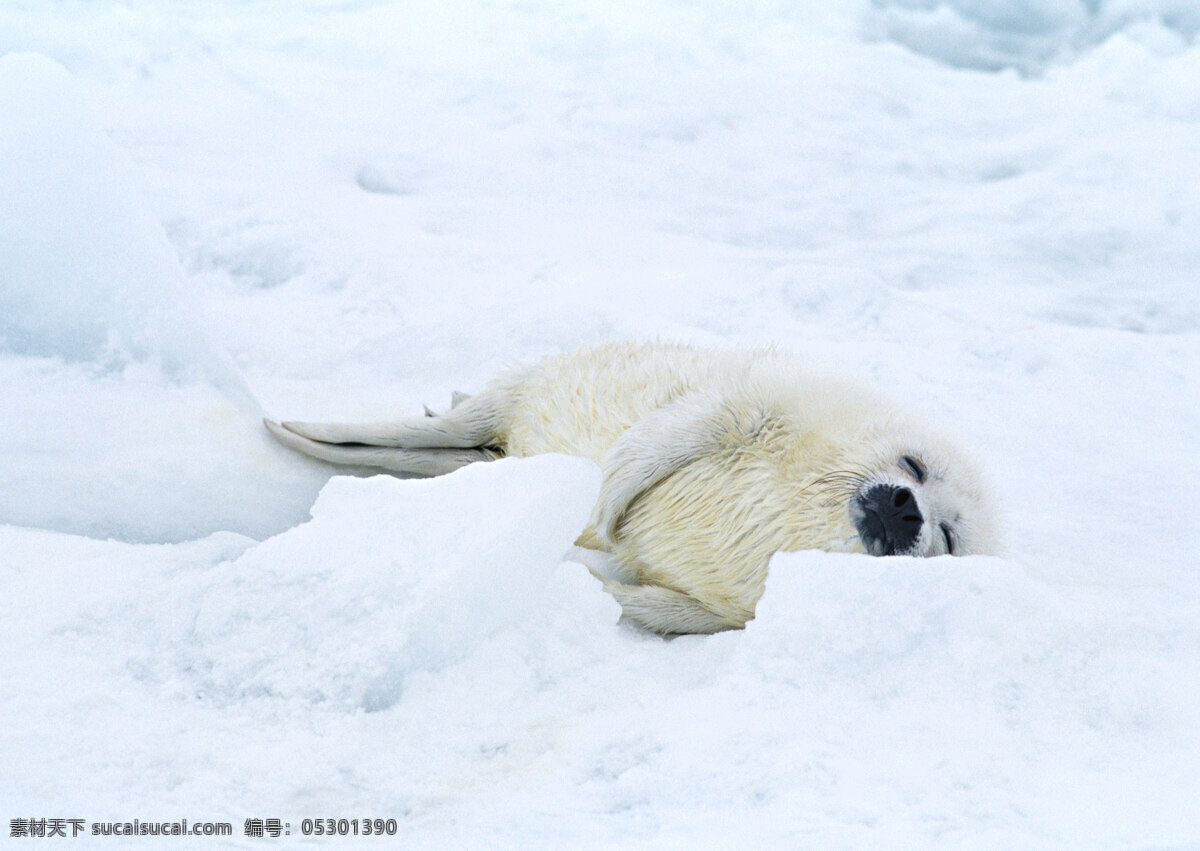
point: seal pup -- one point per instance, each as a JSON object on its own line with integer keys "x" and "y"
{"x": 712, "y": 461}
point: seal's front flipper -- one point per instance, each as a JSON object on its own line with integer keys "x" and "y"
{"x": 664, "y": 610}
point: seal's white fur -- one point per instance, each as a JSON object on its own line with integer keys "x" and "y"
{"x": 713, "y": 461}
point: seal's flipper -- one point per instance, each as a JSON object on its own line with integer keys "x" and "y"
{"x": 415, "y": 462}
{"x": 658, "y": 445}
{"x": 472, "y": 424}
{"x": 425, "y": 433}
{"x": 663, "y": 610}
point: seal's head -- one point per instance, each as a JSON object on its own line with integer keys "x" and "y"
{"x": 925, "y": 502}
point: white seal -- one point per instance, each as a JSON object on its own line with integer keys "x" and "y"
{"x": 712, "y": 460}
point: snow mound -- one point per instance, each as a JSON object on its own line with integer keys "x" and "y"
{"x": 87, "y": 269}
{"x": 952, "y": 665}
{"x": 390, "y": 577}
{"x": 454, "y": 582}
{"x": 1029, "y": 34}
{"x": 121, "y": 419}
{"x": 418, "y": 650}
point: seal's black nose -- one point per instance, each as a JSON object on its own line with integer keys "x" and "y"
{"x": 888, "y": 519}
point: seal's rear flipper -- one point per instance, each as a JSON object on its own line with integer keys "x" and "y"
{"x": 436, "y": 432}
{"x": 435, "y": 461}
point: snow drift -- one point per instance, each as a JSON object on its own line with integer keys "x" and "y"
{"x": 1029, "y": 36}
{"x": 139, "y": 428}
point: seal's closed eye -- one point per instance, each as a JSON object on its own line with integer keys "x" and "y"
{"x": 915, "y": 468}
{"x": 949, "y": 537}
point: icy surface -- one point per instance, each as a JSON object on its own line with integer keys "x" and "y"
{"x": 137, "y": 426}
{"x": 1029, "y": 35}
{"x": 322, "y": 210}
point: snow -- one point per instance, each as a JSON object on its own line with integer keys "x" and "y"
{"x": 135, "y": 412}
{"x": 1029, "y": 34}
{"x": 339, "y": 211}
